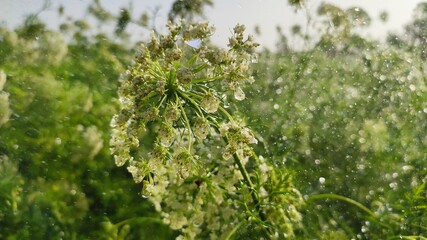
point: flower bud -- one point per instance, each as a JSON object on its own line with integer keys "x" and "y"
{"x": 239, "y": 29}
{"x": 210, "y": 103}
{"x": 184, "y": 75}
{"x": 166, "y": 134}
{"x": 172, "y": 113}
{"x": 248, "y": 137}
{"x": 201, "y": 128}
{"x": 151, "y": 114}
{"x": 173, "y": 54}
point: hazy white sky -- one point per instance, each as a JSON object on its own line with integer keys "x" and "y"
{"x": 225, "y": 14}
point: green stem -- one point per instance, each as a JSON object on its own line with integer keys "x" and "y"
{"x": 200, "y": 67}
{"x": 408, "y": 237}
{"x": 157, "y": 72}
{"x": 159, "y": 69}
{"x": 341, "y": 198}
{"x": 192, "y": 94}
{"x": 226, "y": 113}
{"x": 146, "y": 98}
{"x": 347, "y": 200}
{"x": 249, "y": 183}
{"x": 187, "y": 123}
{"x": 246, "y": 177}
{"x": 140, "y": 219}
{"x": 189, "y": 100}
{"x": 233, "y": 231}
{"x": 255, "y": 156}
{"x": 161, "y": 101}
{"x": 206, "y": 80}
{"x": 243, "y": 171}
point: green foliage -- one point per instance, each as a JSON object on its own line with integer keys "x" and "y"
{"x": 188, "y": 9}
{"x": 58, "y": 180}
{"x": 345, "y": 120}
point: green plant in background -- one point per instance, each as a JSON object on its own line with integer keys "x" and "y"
{"x": 57, "y": 179}
{"x": 200, "y": 171}
{"x": 343, "y": 117}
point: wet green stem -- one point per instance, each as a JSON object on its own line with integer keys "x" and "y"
{"x": 249, "y": 183}
{"x": 244, "y": 172}
{"x": 139, "y": 219}
{"x": 187, "y": 123}
{"x": 347, "y": 200}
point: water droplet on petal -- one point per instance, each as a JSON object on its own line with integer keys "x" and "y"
{"x": 364, "y": 229}
{"x": 254, "y": 58}
{"x": 239, "y": 94}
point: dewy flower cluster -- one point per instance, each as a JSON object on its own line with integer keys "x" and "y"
{"x": 173, "y": 100}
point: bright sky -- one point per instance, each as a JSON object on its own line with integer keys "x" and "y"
{"x": 225, "y": 14}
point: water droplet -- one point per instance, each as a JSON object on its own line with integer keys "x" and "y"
{"x": 361, "y": 166}
{"x": 284, "y": 160}
{"x": 393, "y": 185}
{"x": 364, "y": 229}
{"x": 406, "y": 168}
{"x": 254, "y": 58}
{"x": 123, "y": 100}
{"x": 239, "y": 94}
